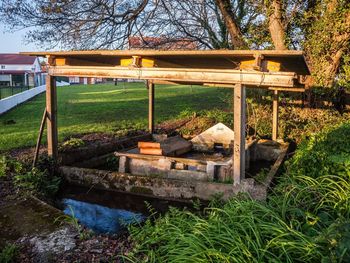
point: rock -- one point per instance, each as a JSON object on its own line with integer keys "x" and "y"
{"x": 44, "y": 247}
{"x": 96, "y": 251}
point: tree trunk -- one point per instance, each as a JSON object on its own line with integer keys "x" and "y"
{"x": 225, "y": 8}
{"x": 333, "y": 67}
{"x": 276, "y": 27}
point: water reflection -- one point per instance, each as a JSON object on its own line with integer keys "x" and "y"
{"x": 99, "y": 218}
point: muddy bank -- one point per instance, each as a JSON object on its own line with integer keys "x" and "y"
{"x": 26, "y": 217}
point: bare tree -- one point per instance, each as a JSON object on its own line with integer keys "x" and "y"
{"x": 77, "y": 23}
{"x": 97, "y": 24}
{"x": 228, "y": 15}
{"x": 276, "y": 26}
{"x": 203, "y": 21}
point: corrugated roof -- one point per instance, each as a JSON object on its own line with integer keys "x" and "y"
{"x": 16, "y": 59}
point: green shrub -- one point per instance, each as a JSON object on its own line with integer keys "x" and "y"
{"x": 324, "y": 153}
{"x": 8, "y": 165}
{"x": 38, "y": 182}
{"x": 9, "y": 253}
{"x": 3, "y": 166}
{"x": 73, "y": 143}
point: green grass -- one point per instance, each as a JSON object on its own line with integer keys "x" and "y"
{"x": 104, "y": 108}
{"x": 9, "y": 91}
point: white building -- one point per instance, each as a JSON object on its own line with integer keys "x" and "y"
{"x": 21, "y": 70}
{"x": 85, "y": 81}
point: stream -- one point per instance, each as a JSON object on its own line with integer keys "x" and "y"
{"x": 106, "y": 211}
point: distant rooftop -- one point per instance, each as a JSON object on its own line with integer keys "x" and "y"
{"x": 161, "y": 43}
{"x": 16, "y": 59}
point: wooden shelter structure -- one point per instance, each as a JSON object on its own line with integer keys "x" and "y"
{"x": 236, "y": 69}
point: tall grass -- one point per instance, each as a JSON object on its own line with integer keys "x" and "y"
{"x": 305, "y": 219}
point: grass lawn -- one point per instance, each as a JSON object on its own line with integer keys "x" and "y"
{"x": 9, "y": 91}
{"x": 104, "y": 108}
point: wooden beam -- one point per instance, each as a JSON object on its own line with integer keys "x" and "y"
{"x": 71, "y": 61}
{"x": 51, "y": 109}
{"x": 288, "y": 89}
{"x": 186, "y": 75}
{"x": 38, "y": 142}
{"x": 159, "y": 53}
{"x": 239, "y": 105}
{"x": 150, "y": 87}
{"x": 275, "y": 115}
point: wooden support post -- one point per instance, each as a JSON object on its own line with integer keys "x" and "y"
{"x": 239, "y": 104}
{"x": 275, "y": 115}
{"x": 51, "y": 109}
{"x": 38, "y": 142}
{"x": 150, "y": 86}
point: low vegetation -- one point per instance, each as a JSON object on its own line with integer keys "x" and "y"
{"x": 72, "y": 143}
{"x": 305, "y": 219}
{"x": 8, "y": 254}
{"x": 39, "y": 181}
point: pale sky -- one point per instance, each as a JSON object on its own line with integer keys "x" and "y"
{"x": 14, "y": 42}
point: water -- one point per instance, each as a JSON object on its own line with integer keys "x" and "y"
{"x": 99, "y": 218}
{"x": 105, "y": 211}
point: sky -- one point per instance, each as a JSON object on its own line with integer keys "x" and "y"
{"x": 14, "y": 42}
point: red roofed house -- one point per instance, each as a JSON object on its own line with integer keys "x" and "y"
{"x": 21, "y": 70}
{"x": 161, "y": 43}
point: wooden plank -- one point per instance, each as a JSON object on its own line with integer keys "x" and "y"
{"x": 65, "y": 61}
{"x": 151, "y": 151}
{"x": 51, "y": 109}
{"x": 151, "y": 145}
{"x": 150, "y": 52}
{"x": 265, "y": 65}
{"x": 239, "y": 105}
{"x": 185, "y": 75}
{"x": 150, "y": 86}
{"x": 222, "y": 85}
{"x": 275, "y": 115}
{"x": 131, "y": 62}
{"x": 288, "y": 89}
{"x": 38, "y": 142}
{"x": 172, "y": 146}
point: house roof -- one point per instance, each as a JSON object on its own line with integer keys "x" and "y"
{"x": 16, "y": 59}
{"x": 161, "y": 43}
{"x": 13, "y": 72}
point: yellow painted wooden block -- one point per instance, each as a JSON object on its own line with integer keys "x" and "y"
{"x": 60, "y": 61}
{"x": 247, "y": 65}
{"x": 266, "y": 65}
{"x": 140, "y": 62}
{"x": 272, "y": 66}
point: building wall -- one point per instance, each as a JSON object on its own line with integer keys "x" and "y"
{"x": 84, "y": 80}
{"x": 32, "y": 78}
{"x": 5, "y": 67}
